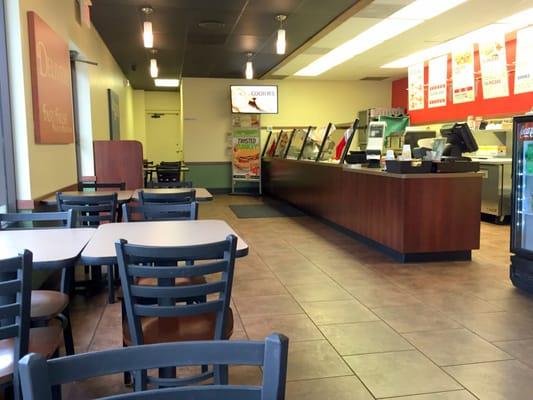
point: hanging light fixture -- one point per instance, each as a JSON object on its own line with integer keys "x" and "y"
{"x": 148, "y": 35}
{"x": 249, "y": 70}
{"x": 281, "y": 42}
{"x": 154, "y": 70}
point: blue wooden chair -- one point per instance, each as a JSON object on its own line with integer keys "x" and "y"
{"x": 160, "y": 212}
{"x": 91, "y": 211}
{"x": 16, "y": 337}
{"x": 184, "y": 197}
{"x": 165, "y": 302}
{"x": 98, "y": 185}
{"x": 170, "y": 185}
{"x": 47, "y": 305}
{"x": 39, "y": 376}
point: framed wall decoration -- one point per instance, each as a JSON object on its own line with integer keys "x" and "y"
{"x": 114, "y": 115}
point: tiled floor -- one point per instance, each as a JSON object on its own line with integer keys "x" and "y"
{"x": 361, "y": 326}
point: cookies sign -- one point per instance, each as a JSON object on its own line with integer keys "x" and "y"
{"x": 246, "y": 162}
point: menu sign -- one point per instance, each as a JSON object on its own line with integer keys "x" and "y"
{"x": 51, "y": 84}
{"x": 437, "y": 87}
{"x": 523, "y": 79}
{"x": 246, "y": 149}
{"x": 415, "y": 76}
{"x": 463, "y": 75}
{"x": 493, "y": 63}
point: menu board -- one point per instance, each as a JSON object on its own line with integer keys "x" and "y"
{"x": 415, "y": 76}
{"x": 493, "y": 61}
{"x": 246, "y": 149}
{"x": 437, "y": 86}
{"x": 523, "y": 82}
{"x": 463, "y": 75}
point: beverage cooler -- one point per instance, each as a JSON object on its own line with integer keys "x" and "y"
{"x": 522, "y": 204}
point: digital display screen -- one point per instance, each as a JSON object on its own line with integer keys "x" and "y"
{"x": 254, "y": 99}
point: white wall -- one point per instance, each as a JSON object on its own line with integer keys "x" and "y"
{"x": 207, "y": 113}
{"x": 42, "y": 169}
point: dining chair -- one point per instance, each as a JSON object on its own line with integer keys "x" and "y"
{"x": 98, "y": 185}
{"x": 168, "y": 173}
{"x": 160, "y": 212}
{"x": 39, "y": 376}
{"x": 186, "y": 196}
{"x": 171, "y": 185}
{"x": 16, "y": 336}
{"x": 92, "y": 211}
{"x": 170, "y": 164}
{"x": 47, "y": 305}
{"x": 163, "y": 310}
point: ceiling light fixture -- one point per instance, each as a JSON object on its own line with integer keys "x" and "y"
{"x": 167, "y": 82}
{"x": 249, "y": 70}
{"x": 501, "y": 27}
{"x": 154, "y": 71}
{"x": 281, "y": 42}
{"x": 148, "y": 35}
{"x": 402, "y": 20}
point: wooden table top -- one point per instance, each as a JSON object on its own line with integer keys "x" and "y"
{"x": 51, "y": 248}
{"x": 123, "y": 196}
{"x": 101, "y": 248}
{"x": 201, "y": 193}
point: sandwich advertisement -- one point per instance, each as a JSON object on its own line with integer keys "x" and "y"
{"x": 254, "y": 99}
{"x": 246, "y": 150}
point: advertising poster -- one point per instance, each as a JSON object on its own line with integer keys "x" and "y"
{"x": 415, "y": 75}
{"x": 437, "y": 87}
{"x": 463, "y": 75}
{"x": 493, "y": 61}
{"x": 523, "y": 79}
{"x": 246, "y": 150}
{"x": 254, "y": 99}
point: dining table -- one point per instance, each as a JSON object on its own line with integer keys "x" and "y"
{"x": 123, "y": 196}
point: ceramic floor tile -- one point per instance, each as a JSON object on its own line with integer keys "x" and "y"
{"x": 455, "y": 346}
{"x": 413, "y": 318}
{"x": 257, "y": 287}
{"x": 297, "y": 327}
{"x": 342, "y": 388}
{"x": 400, "y": 374}
{"x": 267, "y": 305}
{"x": 455, "y": 395}
{"x": 318, "y": 292}
{"x": 338, "y": 312}
{"x": 314, "y": 359}
{"x": 498, "y": 326}
{"x": 381, "y": 295}
{"x": 520, "y": 349}
{"x": 501, "y": 380}
{"x": 364, "y": 337}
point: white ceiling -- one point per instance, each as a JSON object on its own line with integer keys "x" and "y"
{"x": 469, "y": 16}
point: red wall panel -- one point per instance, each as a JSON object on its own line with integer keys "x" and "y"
{"x": 502, "y": 106}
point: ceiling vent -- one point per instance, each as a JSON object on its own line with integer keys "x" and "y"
{"x": 206, "y": 39}
{"x": 375, "y": 78}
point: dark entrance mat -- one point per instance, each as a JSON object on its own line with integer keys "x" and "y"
{"x": 265, "y": 210}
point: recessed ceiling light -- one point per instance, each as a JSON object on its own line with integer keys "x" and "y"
{"x": 501, "y": 27}
{"x": 211, "y": 25}
{"x": 404, "y": 19}
{"x": 159, "y": 82}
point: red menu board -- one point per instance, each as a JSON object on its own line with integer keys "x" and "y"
{"x": 51, "y": 84}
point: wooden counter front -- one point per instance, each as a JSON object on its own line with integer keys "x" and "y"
{"x": 412, "y": 217}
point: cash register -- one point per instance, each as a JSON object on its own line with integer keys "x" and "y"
{"x": 374, "y": 146}
{"x": 459, "y": 140}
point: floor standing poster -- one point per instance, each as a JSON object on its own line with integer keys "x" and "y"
{"x": 415, "y": 75}
{"x": 493, "y": 62}
{"x": 246, "y": 150}
{"x": 523, "y": 81}
{"x": 463, "y": 75}
{"x": 437, "y": 87}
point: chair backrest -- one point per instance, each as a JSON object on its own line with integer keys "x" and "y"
{"x": 98, "y": 185}
{"x": 168, "y": 173}
{"x": 89, "y": 210}
{"x": 170, "y": 185}
{"x": 60, "y": 219}
{"x": 181, "y": 197}
{"x": 165, "y": 299}
{"x": 39, "y": 375}
{"x": 170, "y": 164}
{"x": 160, "y": 212}
{"x": 15, "y": 303}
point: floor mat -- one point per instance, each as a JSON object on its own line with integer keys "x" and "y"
{"x": 265, "y": 210}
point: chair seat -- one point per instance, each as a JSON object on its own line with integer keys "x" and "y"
{"x": 44, "y": 341}
{"x": 46, "y": 304}
{"x": 188, "y": 328}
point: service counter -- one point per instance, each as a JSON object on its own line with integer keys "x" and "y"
{"x": 412, "y": 217}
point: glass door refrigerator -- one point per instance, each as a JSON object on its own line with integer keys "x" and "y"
{"x": 522, "y": 204}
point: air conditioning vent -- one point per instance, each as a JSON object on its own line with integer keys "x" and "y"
{"x": 375, "y": 78}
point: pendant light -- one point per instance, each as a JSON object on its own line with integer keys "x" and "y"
{"x": 154, "y": 70}
{"x": 148, "y": 34}
{"x": 249, "y": 70}
{"x": 281, "y": 42}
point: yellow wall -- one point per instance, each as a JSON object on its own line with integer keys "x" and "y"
{"x": 207, "y": 113}
{"x": 53, "y": 166}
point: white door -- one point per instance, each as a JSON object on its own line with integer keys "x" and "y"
{"x": 162, "y": 137}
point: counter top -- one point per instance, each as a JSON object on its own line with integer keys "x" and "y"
{"x": 493, "y": 160}
{"x": 379, "y": 171}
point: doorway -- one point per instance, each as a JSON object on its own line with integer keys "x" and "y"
{"x": 163, "y": 141}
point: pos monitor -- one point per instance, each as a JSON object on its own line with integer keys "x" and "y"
{"x": 459, "y": 140}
